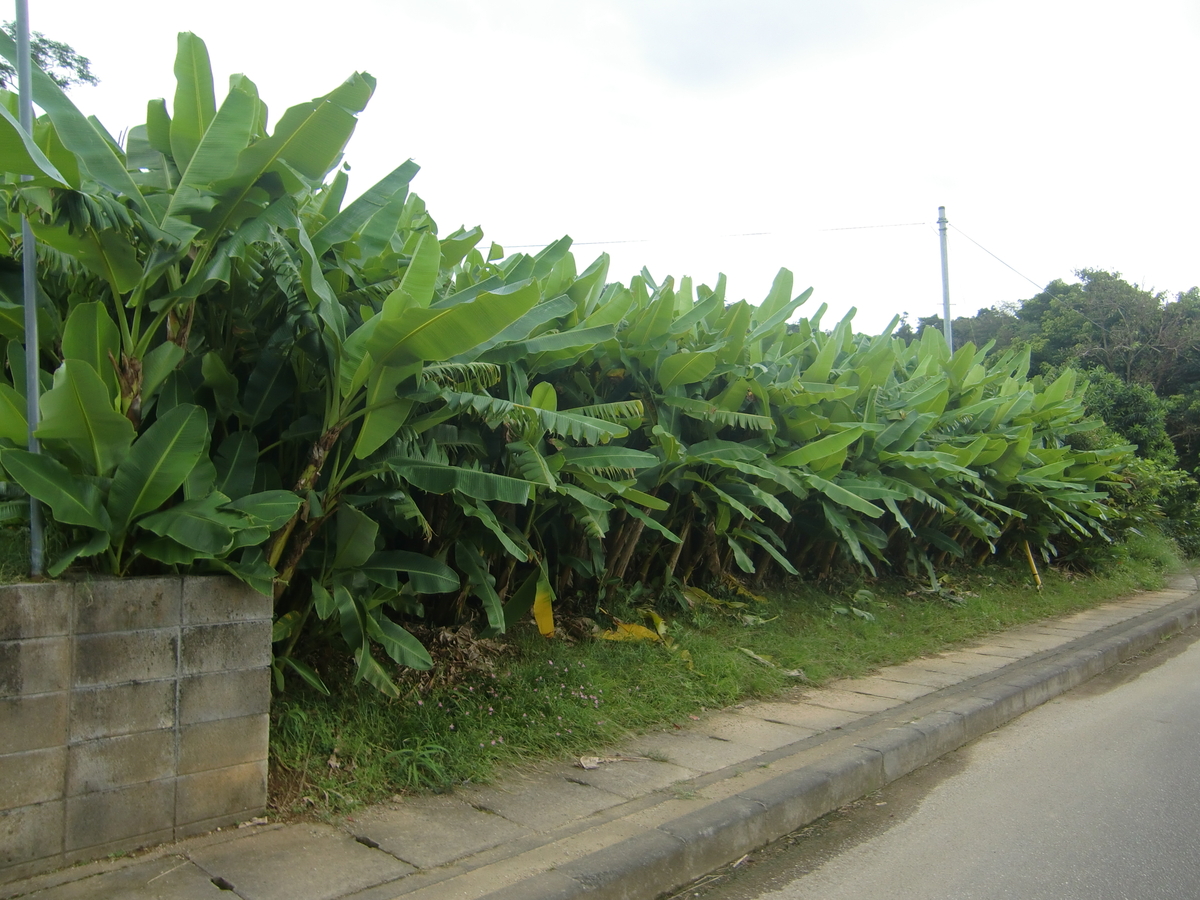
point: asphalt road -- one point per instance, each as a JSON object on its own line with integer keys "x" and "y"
{"x": 1095, "y": 795}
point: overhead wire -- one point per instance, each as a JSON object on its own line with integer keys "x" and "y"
{"x": 994, "y": 256}
{"x": 731, "y": 235}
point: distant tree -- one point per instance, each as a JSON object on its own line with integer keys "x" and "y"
{"x": 1134, "y": 411}
{"x": 1142, "y": 349}
{"x": 56, "y": 59}
{"x": 996, "y": 323}
{"x": 923, "y": 322}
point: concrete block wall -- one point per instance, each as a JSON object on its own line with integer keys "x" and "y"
{"x": 132, "y": 712}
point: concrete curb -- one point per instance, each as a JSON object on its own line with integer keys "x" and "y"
{"x": 688, "y": 847}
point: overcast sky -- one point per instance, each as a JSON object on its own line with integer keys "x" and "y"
{"x": 737, "y": 136}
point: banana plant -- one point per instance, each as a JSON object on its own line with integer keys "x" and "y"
{"x": 156, "y": 226}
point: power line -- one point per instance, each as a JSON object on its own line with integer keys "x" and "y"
{"x": 861, "y": 227}
{"x": 734, "y": 235}
{"x": 994, "y": 256}
{"x": 745, "y": 234}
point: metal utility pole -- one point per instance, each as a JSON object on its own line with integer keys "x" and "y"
{"x": 29, "y": 271}
{"x": 945, "y": 280}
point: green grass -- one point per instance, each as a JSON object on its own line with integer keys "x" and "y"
{"x": 14, "y": 550}
{"x": 554, "y": 699}
{"x": 14, "y": 554}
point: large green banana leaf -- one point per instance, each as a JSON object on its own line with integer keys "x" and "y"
{"x": 157, "y": 464}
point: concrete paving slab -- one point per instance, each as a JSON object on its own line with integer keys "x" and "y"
{"x": 517, "y": 868}
{"x": 975, "y": 662}
{"x": 1096, "y": 619}
{"x": 914, "y": 674}
{"x": 1073, "y": 628}
{"x": 431, "y": 831}
{"x": 166, "y": 878}
{"x": 684, "y": 803}
{"x": 803, "y": 715}
{"x": 1038, "y": 638}
{"x": 693, "y": 751}
{"x": 541, "y": 801}
{"x": 1019, "y": 650}
{"x": 882, "y": 687}
{"x": 757, "y": 733}
{"x": 850, "y": 701}
{"x": 315, "y": 862}
{"x": 958, "y": 669}
{"x": 1147, "y": 604}
{"x": 633, "y": 777}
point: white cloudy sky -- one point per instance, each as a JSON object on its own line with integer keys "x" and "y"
{"x": 701, "y": 136}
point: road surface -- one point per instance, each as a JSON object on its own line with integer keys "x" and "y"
{"x": 1093, "y": 796}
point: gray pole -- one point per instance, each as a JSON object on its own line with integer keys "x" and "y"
{"x": 945, "y": 280}
{"x": 29, "y": 270}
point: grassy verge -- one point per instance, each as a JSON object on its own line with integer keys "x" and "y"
{"x": 543, "y": 699}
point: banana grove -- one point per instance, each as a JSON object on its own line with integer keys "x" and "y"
{"x": 378, "y": 424}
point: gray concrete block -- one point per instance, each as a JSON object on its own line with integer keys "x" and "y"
{"x": 126, "y": 604}
{"x": 1043, "y": 683}
{"x": 315, "y": 862}
{"x": 216, "y": 648}
{"x": 119, "y": 816}
{"x": 165, "y": 878}
{"x": 641, "y": 867}
{"x": 124, "y": 709}
{"x": 1086, "y": 663}
{"x": 720, "y": 832}
{"x": 978, "y": 714}
{"x": 222, "y": 743}
{"x": 232, "y": 791}
{"x": 204, "y": 826}
{"x": 34, "y": 666}
{"x": 218, "y": 695}
{"x": 30, "y": 832}
{"x": 550, "y": 885}
{"x": 903, "y": 749}
{"x": 114, "y": 762}
{"x": 118, "y": 658}
{"x": 852, "y": 773}
{"x": 432, "y": 831}
{"x": 35, "y": 776}
{"x": 122, "y": 845}
{"x": 32, "y": 723}
{"x": 945, "y": 731}
{"x": 1008, "y": 701}
{"x": 34, "y": 610}
{"x": 214, "y": 599}
{"x": 793, "y": 799}
{"x": 1141, "y": 640}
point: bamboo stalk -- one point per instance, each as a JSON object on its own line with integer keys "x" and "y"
{"x": 1033, "y": 566}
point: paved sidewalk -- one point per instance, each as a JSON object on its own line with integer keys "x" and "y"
{"x": 685, "y": 803}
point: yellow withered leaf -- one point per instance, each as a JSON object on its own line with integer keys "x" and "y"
{"x": 627, "y": 631}
{"x": 543, "y": 606}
